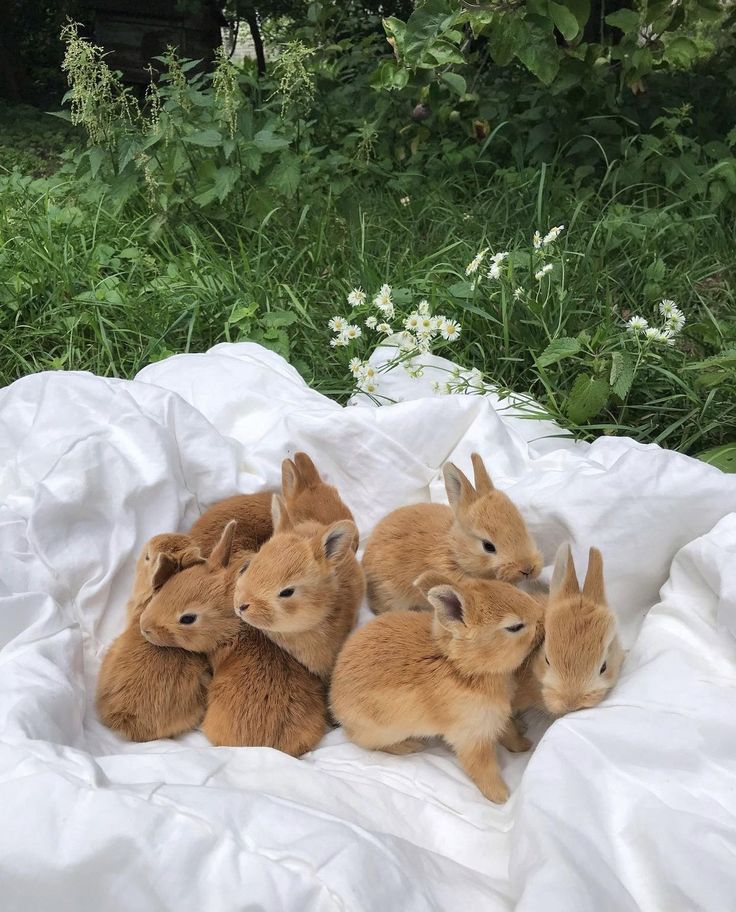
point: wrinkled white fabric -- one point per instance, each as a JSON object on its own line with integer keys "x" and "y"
{"x": 631, "y": 805}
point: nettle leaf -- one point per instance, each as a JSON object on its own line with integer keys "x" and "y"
{"x": 557, "y": 351}
{"x": 681, "y": 51}
{"x": 210, "y": 138}
{"x": 564, "y": 19}
{"x": 286, "y": 175}
{"x": 722, "y": 457}
{"x": 627, "y": 20}
{"x": 622, "y": 373}
{"x": 588, "y": 397}
{"x": 268, "y": 141}
{"x": 456, "y": 82}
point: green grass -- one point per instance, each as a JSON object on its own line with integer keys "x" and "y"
{"x": 84, "y": 288}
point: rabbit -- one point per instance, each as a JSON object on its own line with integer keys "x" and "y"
{"x": 307, "y": 497}
{"x": 253, "y": 515}
{"x": 578, "y": 659}
{"x": 259, "y": 695}
{"x": 480, "y": 534}
{"x": 407, "y": 676}
{"x": 145, "y": 692}
{"x": 304, "y": 588}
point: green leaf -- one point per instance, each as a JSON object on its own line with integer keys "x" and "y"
{"x": 209, "y": 138}
{"x": 587, "y": 398}
{"x": 456, "y": 82}
{"x": 580, "y": 10}
{"x": 503, "y": 40}
{"x": 627, "y": 20}
{"x": 539, "y": 53}
{"x": 564, "y": 19}
{"x": 622, "y": 373}
{"x": 286, "y": 175}
{"x": 218, "y": 187}
{"x": 722, "y": 457}
{"x": 681, "y": 51}
{"x": 558, "y": 350}
{"x": 268, "y": 141}
{"x": 461, "y": 290}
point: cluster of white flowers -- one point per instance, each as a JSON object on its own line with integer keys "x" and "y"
{"x": 405, "y": 200}
{"x": 541, "y": 273}
{"x": 674, "y": 321}
{"x": 494, "y": 270}
{"x": 461, "y": 382}
{"x": 550, "y": 237}
{"x": 384, "y": 302}
{"x": 474, "y": 265}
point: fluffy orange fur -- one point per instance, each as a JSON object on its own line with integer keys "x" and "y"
{"x": 307, "y": 496}
{"x": 145, "y": 692}
{"x": 579, "y": 658}
{"x": 408, "y": 676}
{"x": 303, "y": 589}
{"x": 252, "y": 512}
{"x": 259, "y": 694}
{"x": 480, "y": 534}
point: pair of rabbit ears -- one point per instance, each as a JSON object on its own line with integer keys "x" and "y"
{"x": 335, "y": 541}
{"x": 565, "y": 583}
{"x": 167, "y": 564}
{"x": 298, "y": 474}
{"x": 459, "y": 489}
{"x": 445, "y": 598}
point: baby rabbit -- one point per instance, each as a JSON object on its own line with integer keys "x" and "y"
{"x": 579, "y": 658}
{"x": 145, "y": 692}
{"x": 260, "y": 695}
{"x": 406, "y": 676}
{"x": 252, "y": 513}
{"x": 304, "y": 588}
{"x": 306, "y": 496}
{"x": 480, "y": 534}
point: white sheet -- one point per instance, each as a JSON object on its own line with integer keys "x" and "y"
{"x": 628, "y": 806}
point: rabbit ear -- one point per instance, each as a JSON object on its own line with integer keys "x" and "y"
{"x": 166, "y": 567}
{"x": 220, "y": 556}
{"x": 189, "y": 557}
{"x": 483, "y": 483}
{"x": 594, "y": 586}
{"x": 338, "y": 539}
{"x": 307, "y": 470}
{"x": 280, "y": 515}
{"x": 289, "y": 479}
{"x": 564, "y": 578}
{"x": 460, "y": 492}
{"x": 431, "y": 578}
{"x": 448, "y": 607}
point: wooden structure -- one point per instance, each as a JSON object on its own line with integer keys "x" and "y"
{"x": 136, "y": 31}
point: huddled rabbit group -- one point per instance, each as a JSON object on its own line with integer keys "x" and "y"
{"x": 244, "y": 627}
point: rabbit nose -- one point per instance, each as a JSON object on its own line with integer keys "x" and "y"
{"x": 243, "y": 608}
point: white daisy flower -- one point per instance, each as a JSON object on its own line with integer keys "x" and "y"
{"x": 637, "y": 324}
{"x": 385, "y": 290}
{"x": 337, "y": 324}
{"x": 384, "y": 328}
{"x": 552, "y": 235}
{"x": 407, "y": 341}
{"x": 339, "y": 341}
{"x": 537, "y": 240}
{"x": 352, "y": 331}
{"x": 548, "y": 267}
{"x": 652, "y": 333}
{"x": 423, "y": 308}
{"x": 355, "y": 366}
{"x": 665, "y": 336}
{"x": 474, "y": 264}
{"x": 675, "y": 323}
{"x": 371, "y": 322}
{"x": 412, "y": 321}
{"x": 366, "y": 372}
{"x": 475, "y": 379}
{"x": 518, "y": 293}
{"x": 368, "y": 386}
{"x": 668, "y": 307}
{"x": 450, "y": 330}
{"x": 356, "y": 297}
{"x": 383, "y": 302}
{"x": 427, "y": 326}
{"x": 424, "y": 343}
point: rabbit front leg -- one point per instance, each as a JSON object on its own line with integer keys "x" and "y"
{"x": 512, "y": 739}
{"x": 478, "y": 759}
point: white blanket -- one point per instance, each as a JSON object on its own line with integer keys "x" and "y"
{"x": 628, "y": 806}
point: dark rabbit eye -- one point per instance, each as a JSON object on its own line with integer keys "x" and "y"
{"x": 187, "y": 618}
{"x": 515, "y": 628}
{"x": 286, "y": 593}
{"x": 148, "y": 556}
{"x": 546, "y": 660}
{"x": 489, "y": 547}
{"x": 603, "y": 667}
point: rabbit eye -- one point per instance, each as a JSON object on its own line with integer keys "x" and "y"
{"x": 546, "y": 660}
{"x": 148, "y": 556}
{"x": 286, "y": 593}
{"x": 514, "y": 628}
{"x": 603, "y": 667}
{"x": 187, "y": 618}
{"x": 489, "y": 547}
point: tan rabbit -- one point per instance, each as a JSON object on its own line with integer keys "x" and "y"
{"x": 252, "y": 513}
{"x": 307, "y": 496}
{"x": 304, "y": 588}
{"x": 579, "y": 658}
{"x": 407, "y": 676}
{"x": 145, "y": 692}
{"x": 260, "y": 695}
{"x": 480, "y": 534}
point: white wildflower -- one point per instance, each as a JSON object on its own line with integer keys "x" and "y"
{"x": 427, "y": 326}
{"x": 424, "y": 343}
{"x": 407, "y": 341}
{"x": 668, "y": 307}
{"x": 368, "y": 386}
{"x": 337, "y": 324}
{"x": 494, "y": 271}
{"x": 652, "y": 333}
{"x": 356, "y": 297}
{"x": 537, "y": 240}
{"x": 637, "y": 324}
{"x": 540, "y": 274}
{"x": 383, "y": 301}
{"x": 412, "y": 321}
{"x": 450, "y": 330}
{"x": 371, "y": 322}
{"x": 474, "y": 264}
{"x": 352, "y": 331}
{"x": 405, "y": 200}
{"x": 384, "y": 328}
{"x": 423, "y": 308}
{"x": 665, "y": 336}
{"x": 552, "y": 235}
{"x": 366, "y": 372}
{"x": 415, "y": 372}
{"x": 355, "y": 366}
{"x": 475, "y": 379}
{"x": 339, "y": 341}
{"x": 675, "y": 323}
{"x": 518, "y": 293}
